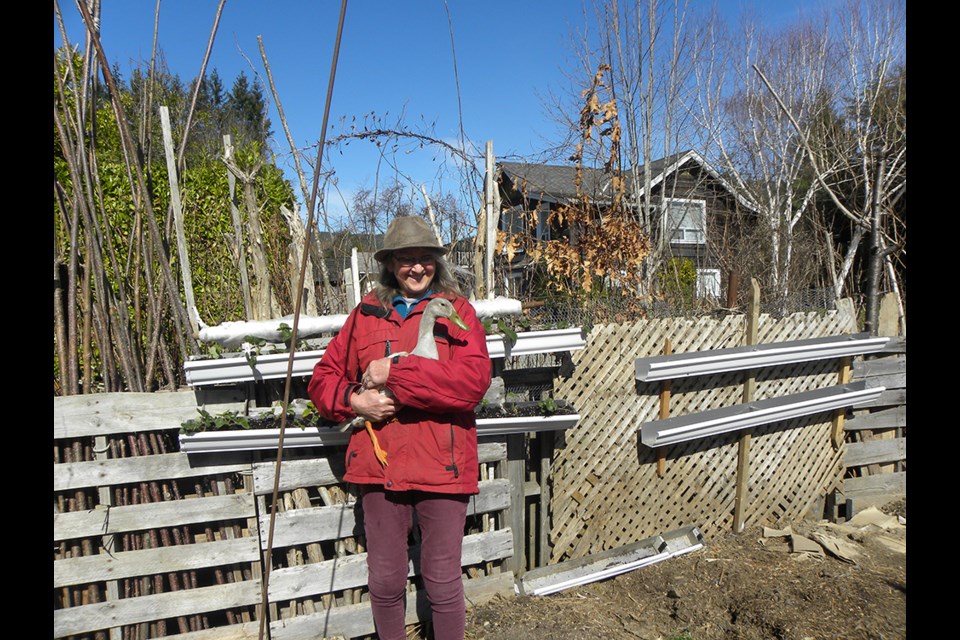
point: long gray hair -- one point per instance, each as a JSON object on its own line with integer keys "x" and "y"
{"x": 387, "y": 287}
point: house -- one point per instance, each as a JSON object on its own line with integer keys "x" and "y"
{"x": 696, "y": 212}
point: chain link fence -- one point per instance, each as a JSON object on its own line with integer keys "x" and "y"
{"x": 558, "y": 314}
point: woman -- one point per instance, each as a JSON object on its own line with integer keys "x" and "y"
{"x": 424, "y": 421}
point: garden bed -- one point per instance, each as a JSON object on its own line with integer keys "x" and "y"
{"x": 305, "y": 428}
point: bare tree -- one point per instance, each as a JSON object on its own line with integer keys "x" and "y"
{"x": 759, "y": 149}
{"x": 874, "y": 144}
{"x": 868, "y": 147}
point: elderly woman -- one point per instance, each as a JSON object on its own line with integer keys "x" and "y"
{"x": 425, "y": 422}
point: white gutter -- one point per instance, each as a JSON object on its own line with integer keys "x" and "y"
{"x": 256, "y": 439}
{"x": 607, "y": 564}
{"x": 699, "y": 363}
{"x": 233, "y": 334}
{"x": 273, "y": 366}
{"x": 742, "y": 416}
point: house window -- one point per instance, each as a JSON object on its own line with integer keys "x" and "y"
{"x": 685, "y": 221}
{"x": 514, "y": 221}
{"x": 543, "y": 227}
{"x": 708, "y": 283}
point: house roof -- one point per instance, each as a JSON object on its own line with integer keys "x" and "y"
{"x": 556, "y": 183}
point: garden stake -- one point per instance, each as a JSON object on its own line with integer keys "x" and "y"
{"x": 265, "y": 612}
{"x": 664, "y": 411}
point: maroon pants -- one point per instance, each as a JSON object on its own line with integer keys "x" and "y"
{"x": 388, "y": 520}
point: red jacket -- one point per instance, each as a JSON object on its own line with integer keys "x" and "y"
{"x": 432, "y": 444}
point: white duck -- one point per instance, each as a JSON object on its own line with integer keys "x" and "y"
{"x": 426, "y": 348}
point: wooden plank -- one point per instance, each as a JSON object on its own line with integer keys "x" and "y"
{"x": 896, "y": 344}
{"x": 314, "y": 524}
{"x": 890, "y": 381}
{"x": 867, "y": 369}
{"x": 167, "y": 466}
{"x": 348, "y": 572}
{"x": 355, "y": 620}
{"x": 309, "y": 472}
{"x": 105, "y": 615}
{"x": 884, "y": 483}
{"x": 107, "y": 413}
{"x": 491, "y": 449}
{"x": 859, "y": 454}
{"x": 154, "y": 515}
{"x": 145, "y": 562}
{"x": 895, "y": 418}
{"x": 888, "y": 398}
{"x": 243, "y": 631}
{"x": 322, "y": 471}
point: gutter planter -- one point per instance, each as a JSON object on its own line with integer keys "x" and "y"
{"x": 742, "y": 416}
{"x": 274, "y": 365}
{"x": 700, "y": 363}
{"x": 519, "y": 420}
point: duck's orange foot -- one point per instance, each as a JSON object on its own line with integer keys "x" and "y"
{"x": 380, "y": 453}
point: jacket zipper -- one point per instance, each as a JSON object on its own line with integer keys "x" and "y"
{"x": 453, "y": 459}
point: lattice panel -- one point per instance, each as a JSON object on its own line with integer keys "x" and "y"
{"x": 606, "y": 489}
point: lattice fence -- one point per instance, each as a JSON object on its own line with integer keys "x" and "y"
{"x": 607, "y": 491}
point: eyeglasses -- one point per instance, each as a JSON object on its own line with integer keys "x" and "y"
{"x": 426, "y": 260}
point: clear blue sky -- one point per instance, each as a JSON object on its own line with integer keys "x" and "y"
{"x": 396, "y": 57}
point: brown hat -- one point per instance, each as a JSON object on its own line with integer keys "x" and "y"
{"x": 407, "y": 232}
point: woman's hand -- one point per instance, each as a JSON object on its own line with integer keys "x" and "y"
{"x": 374, "y": 405}
{"x": 377, "y": 373}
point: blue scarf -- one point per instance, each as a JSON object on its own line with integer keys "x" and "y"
{"x": 404, "y": 308}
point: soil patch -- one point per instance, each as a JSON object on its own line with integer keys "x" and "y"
{"x": 750, "y": 586}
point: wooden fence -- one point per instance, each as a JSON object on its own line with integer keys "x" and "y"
{"x": 151, "y": 542}
{"x": 876, "y": 434}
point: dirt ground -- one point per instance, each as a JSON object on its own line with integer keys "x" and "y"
{"x": 757, "y": 585}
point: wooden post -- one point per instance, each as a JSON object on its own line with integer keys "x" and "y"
{"x": 490, "y": 218}
{"x": 664, "y": 412}
{"x": 238, "y": 230}
{"x": 351, "y": 280}
{"x": 836, "y": 430}
{"x": 743, "y": 451}
{"x": 546, "y": 467}
{"x": 733, "y": 286}
{"x": 516, "y": 512}
{"x": 178, "y": 219}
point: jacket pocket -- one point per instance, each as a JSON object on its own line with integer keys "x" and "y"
{"x": 376, "y": 345}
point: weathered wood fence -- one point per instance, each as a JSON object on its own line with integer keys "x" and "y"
{"x": 151, "y": 542}
{"x": 876, "y": 456}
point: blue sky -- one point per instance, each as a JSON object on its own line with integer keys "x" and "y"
{"x": 396, "y": 58}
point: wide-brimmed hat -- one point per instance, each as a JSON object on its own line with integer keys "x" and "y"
{"x": 409, "y": 232}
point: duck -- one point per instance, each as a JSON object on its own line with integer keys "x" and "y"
{"x": 426, "y": 347}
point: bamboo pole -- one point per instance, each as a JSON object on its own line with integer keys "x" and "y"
{"x": 749, "y": 384}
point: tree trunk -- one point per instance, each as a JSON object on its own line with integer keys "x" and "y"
{"x": 875, "y": 256}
